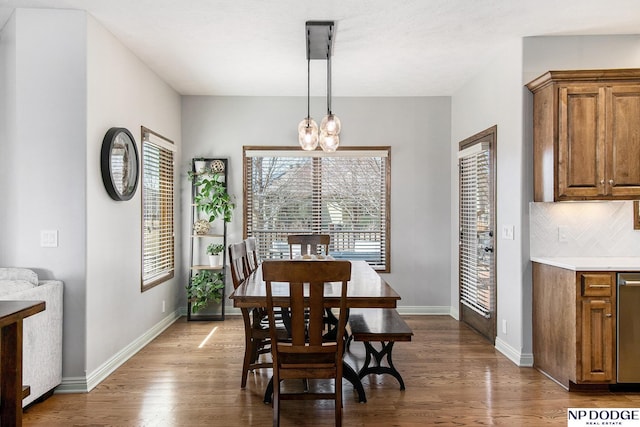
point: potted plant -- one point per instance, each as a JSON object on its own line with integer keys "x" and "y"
{"x": 214, "y": 250}
{"x": 200, "y": 165}
{"x": 212, "y": 198}
{"x": 204, "y": 287}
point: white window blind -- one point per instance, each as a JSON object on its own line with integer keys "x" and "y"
{"x": 476, "y": 263}
{"x": 344, "y": 194}
{"x": 157, "y": 209}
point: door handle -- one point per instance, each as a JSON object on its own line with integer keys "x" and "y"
{"x": 488, "y": 248}
{"x": 631, "y": 283}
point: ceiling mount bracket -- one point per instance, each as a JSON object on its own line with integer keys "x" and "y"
{"x": 320, "y": 36}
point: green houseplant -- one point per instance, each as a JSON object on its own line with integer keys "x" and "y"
{"x": 204, "y": 287}
{"x": 212, "y": 198}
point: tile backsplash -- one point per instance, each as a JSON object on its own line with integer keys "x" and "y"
{"x": 590, "y": 229}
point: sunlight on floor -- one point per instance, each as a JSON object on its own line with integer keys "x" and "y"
{"x": 204, "y": 342}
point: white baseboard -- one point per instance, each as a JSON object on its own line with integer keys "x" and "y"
{"x": 520, "y": 359}
{"x": 454, "y": 312}
{"x": 86, "y": 384}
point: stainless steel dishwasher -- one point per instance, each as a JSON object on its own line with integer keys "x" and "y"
{"x": 628, "y": 328}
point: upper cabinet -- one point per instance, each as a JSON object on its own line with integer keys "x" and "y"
{"x": 586, "y": 135}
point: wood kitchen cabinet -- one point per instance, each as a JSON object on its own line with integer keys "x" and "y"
{"x": 574, "y": 325}
{"x": 586, "y": 133}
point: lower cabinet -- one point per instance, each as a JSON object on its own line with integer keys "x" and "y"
{"x": 574, "y": 325}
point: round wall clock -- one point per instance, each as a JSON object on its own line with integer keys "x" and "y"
{"x": 119, "y": 163}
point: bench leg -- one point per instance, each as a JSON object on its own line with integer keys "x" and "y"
{"x": 387, "y": 348}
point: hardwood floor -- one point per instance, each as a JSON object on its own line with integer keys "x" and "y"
{"x": 190, "y": 376}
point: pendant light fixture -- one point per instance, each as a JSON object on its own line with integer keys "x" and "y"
{"x": 319, "y": 46}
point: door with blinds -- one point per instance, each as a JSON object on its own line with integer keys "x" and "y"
{"x": 477, "y": 249}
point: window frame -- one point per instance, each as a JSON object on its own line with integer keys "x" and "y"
{"x": 168, "y": 272}
{"x": 360, "y": 151}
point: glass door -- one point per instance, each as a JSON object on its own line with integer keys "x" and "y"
{"x": 477, "y": 252}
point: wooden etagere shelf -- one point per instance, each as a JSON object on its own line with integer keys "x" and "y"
{"x": 199, "y": 242}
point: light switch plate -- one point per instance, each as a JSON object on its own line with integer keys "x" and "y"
{"x": 507, "y": 232}
{"x": 49, "y": 238}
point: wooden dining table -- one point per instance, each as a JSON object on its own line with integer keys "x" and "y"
{"x": 366, "y": 289}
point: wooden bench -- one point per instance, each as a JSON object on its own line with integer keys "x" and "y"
{"x": 383, "y": 325}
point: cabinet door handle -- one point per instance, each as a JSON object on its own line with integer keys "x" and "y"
{"x": 610, "y": 182}
{"x": 599, "y": 286}
{"x": 608, "y": 315}
{"x": 602, "y": 182}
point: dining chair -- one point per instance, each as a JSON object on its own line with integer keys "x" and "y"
{"x": 252, "y": 254}
{"x": 256, "y": 328}
{"x": 308, "y": 243}
{"x": 306, "y": 354}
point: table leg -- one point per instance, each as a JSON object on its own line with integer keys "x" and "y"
{"x": 268, "y": 393}
{"x": 11, "y": 374}
{"x": 352, "y": 376}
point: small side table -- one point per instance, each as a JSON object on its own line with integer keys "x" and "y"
{"x": 11, "y": 315}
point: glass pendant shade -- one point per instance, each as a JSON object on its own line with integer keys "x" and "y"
{"x": 328, "y": 142}
{"x": 308, "y": 134}
{"x": 330, "y": 124}
{"x": 307, "y": 122}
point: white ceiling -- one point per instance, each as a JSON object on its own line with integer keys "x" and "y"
{"x": 382, "y": 47}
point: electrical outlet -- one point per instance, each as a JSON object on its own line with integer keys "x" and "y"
{"x": 504, "y": 326}
{"x": 563, "y": 233}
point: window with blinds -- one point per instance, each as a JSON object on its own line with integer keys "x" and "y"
{"x": 344, "y": 194}
{"x": 477, "y": 266}
{"x": 157, "y": 209}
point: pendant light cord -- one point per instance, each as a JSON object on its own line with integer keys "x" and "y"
{"x": 308, "y": 89}
{"x": 329, "y": 72}
{"x": 308, "y": 77}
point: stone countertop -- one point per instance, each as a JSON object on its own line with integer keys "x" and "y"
{"x": 592, "y": 263}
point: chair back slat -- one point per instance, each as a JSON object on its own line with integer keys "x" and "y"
{"x": 316, "y": 313}
{"x": 298, "y": 327}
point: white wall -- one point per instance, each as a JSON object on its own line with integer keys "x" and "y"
{"x": 45, "y": 166}
{"x": 122, "y": 92}
{"x": 65, "y": 81}
{"x": 7, "y": 127}
{"x": 542, "y": 54}
{"x": 494, "y": 96}
{"x": 417, "y": 129}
